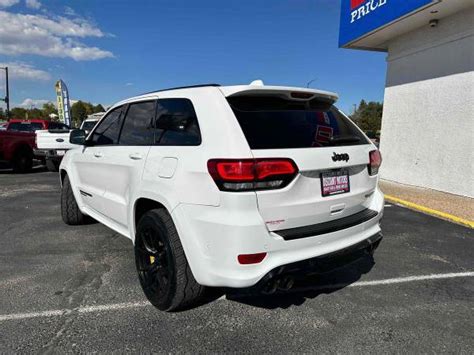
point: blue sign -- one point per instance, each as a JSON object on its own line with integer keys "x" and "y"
{"x": 359, "y": 17}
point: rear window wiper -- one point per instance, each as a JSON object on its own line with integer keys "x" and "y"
{"x": 344, "y": 139}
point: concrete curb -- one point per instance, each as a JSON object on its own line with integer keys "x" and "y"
{"x": 430, "y": 211}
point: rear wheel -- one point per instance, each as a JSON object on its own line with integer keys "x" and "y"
{"x": 52, "y": 165}
{"x": 70, "y": 211}
{"x": 22, "y": 160}
{"x": 163, "y": 270}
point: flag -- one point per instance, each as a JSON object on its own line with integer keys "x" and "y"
{"x": 64, "y": 105}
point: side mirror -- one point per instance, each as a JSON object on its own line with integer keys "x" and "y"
{"x": 77, "y": 136}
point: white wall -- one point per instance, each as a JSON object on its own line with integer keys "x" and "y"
{"x": 428, "y": 119}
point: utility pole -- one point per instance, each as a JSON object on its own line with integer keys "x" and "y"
{"x": 7, "y": 96}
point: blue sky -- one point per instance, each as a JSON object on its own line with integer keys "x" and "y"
{"x": 108, "y": 50}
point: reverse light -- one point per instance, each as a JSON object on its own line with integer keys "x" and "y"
{"x": 246, "y": 259}
{"x": 375, "y": 162}
{"x": 252, "y": 174}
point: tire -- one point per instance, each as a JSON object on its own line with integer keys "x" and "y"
{"x": 52, "y": 165}
{"x": 22, "y": 160}
{"x": 163, "y": 270}
{"x": 70, "y": 211}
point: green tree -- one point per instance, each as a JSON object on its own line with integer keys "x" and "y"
{"x": 99, "y": 108}
{"x": 18, "y": 112}
{"x": 48, "y": 109}
{"x": 3, "y": 115}
{"x": 368, "y": 116}
{"x": 79, "y": 112}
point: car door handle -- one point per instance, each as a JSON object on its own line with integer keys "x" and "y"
{"x": 98, "y": 155}
{"x": 135, "y": 156}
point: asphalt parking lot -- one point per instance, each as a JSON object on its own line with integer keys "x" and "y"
{"x": 74, "y": 289}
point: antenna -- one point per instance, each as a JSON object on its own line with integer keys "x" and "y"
{"x": 309, "y": 82}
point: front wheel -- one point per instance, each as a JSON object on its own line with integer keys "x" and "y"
{"x": 70, "y": 211}
{"x": 163, "y": 269}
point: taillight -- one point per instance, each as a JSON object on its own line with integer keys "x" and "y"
{"x": 252, "y": 174}
{"x": 375, "y": 162}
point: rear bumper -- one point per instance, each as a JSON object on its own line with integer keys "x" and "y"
{"x": 213, "y": 237}
{"x": 324, "y": 263}
{"x": 48, "y": 154}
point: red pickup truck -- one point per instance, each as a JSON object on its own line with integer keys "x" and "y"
{"x": 17, "y": 142}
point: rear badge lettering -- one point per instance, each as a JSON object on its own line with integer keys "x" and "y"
{"x": 340, "y": 157}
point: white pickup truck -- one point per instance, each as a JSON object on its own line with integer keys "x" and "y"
{"x": 52, "y": 144}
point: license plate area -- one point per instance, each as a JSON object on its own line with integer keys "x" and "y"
{"x": 335, "y": 182}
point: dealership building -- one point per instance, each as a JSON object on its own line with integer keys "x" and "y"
{"x": 427, "y": 136}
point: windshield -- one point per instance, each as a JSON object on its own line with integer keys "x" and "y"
{"x": 270, "y": 122}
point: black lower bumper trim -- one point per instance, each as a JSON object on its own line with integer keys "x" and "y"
{"x": 325, "y": 263}
{"x": 327, "y": 227}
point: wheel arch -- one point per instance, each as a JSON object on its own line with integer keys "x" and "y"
{"x": 141, "y": 206}
{"x": 62, "y": 176}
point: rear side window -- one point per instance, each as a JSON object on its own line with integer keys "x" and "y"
{"x": 108, "y": 130}
{"x": 278, "y": 123}
{"x": 176, "y": 123}
{"x": 138, "y": 126}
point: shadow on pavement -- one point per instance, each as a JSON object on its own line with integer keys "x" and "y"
{"x": 5, "y": 169}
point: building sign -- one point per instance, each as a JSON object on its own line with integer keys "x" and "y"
{"x": 360, "y": 17}
{"x": 64, "y": 105}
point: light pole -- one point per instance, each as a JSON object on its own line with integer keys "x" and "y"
{"x": 7, "y": 95}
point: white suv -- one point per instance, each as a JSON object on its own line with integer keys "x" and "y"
{"x": 233, "y": 186}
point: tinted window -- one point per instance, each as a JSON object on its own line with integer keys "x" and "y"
{"x": 25, "y": 127}
{"x": 176, "y": 123}
{"x": 273, "y": 123}
{"x": 108, "y": 130}
{"x": 87, "y": 126}
{"x": 56, "y": 125}
{"x": 137, "y": 128}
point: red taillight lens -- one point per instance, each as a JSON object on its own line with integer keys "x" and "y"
{"x": 246, "y": 259}
{"x": 235, "y": 170}
{"x": 375, "y": 162}
{"x": 251, "y": 174}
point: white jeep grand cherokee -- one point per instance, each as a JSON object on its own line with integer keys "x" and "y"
{"x": 232, "y": 186}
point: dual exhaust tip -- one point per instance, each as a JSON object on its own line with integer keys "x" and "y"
{"x": 283, "y": 283}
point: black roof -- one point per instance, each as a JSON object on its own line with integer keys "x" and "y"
{"x": 182, "y": 87}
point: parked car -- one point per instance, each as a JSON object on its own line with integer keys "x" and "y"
{"x": 53, "y": 143}
{"x": 3, "y": 126}
{"x": 17, "y": 142}
{"x": 235, "y": 186}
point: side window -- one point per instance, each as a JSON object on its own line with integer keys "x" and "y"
{"x": 107, "y": 132}
{"x": 176, "y": 123}
{"x": 138, "y": 126}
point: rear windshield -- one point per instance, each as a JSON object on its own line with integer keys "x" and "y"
{"x": 25, "y": 126}
{"x": 276, "y": 123}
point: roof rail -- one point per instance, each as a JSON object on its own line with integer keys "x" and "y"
{"x": 182, "y": 87}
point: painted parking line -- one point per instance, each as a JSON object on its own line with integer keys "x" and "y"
{"x": 129, "y": 305}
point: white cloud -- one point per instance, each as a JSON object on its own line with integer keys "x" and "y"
{"x": 33, "y": 4}
{"x": 8, "y": 3}
{"x": 20, "y": 70}
{"x": 38, "y": 103}
{"x": 69, "y": 11}
{"x": 129, "y": 84}
{"x": 48, "y": 36}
